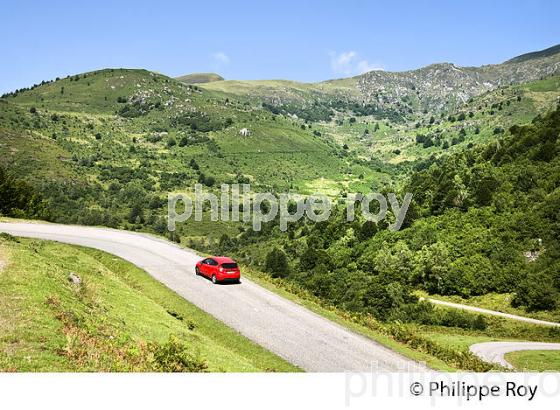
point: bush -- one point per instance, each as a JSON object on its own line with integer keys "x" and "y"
{"x": 456, "y": 318}
{"x": 462, "y": 359}
{"x": 536, "y": 292}
{"x": 175, "y": 356}
{"x": 277, "y": 263}
{"x": 206, "y": 180}
{"x": 19, "y": 199}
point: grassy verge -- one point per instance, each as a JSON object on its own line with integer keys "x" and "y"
{"x": 117, "y": 318}
{"x": 535, "y": 360}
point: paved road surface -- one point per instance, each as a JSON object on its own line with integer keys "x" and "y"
{"x": 493, "y": 352}
{"x": 293, "y": 332}
{"x": 493, "y": 313}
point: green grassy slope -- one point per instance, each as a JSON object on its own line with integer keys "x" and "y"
{"x": 535, "y": 360}
{"x": 113, "y": 139}
{"x": 480, "y": 120}
{"x": 117, "y": 319}
{"x": 198, "y": 78}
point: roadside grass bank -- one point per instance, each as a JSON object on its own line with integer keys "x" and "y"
{"x": 69, "y": 308}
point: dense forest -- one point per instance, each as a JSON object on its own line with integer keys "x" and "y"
{"x": 482, "y": 220}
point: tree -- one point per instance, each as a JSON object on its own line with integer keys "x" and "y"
{"x": 536, "y": 292}
{"x": 277, "y": 263}
{"x": 420, "y": 138}
{"x": 308, "y": 259}
{"x": 430, "y": 265}
{"x": 209, "y": 181}
{"x": 428, "y": 142}
{"x": 184, "y": 141}
{"x": 19, "y": 199}
{"x": 498, "y": 130}
{"x": 367, "y": 230}
{"x": 136, "y": 214}
{"x": 394, "y": 263}
{"x": 193, "y": 164}
{"x": 225, "y": 243}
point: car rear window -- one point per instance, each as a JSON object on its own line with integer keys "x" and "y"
{"x": 229, "y": 265}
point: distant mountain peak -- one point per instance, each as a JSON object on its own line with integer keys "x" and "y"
{"x": 200, "y": 78}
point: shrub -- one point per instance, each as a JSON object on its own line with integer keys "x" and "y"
{"x": 536, "y": 292}
{"x": 175, "y": 356}
{"x": 277, "y": 263}
{"x": 18, "y": 198}
{"x": 456, "y": 318}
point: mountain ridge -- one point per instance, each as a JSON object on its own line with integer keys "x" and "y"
{"x": 535, "y": 54}
{"x": 199, "y": 78}
{"x": 439, "y": 86}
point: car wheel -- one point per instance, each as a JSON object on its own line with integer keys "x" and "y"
{"x": 196, "y": 271}
{"x": 214, "y": 279}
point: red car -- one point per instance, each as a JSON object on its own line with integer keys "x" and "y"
{"x": 219, "y": 269}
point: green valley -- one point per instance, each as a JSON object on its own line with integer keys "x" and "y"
{"x": 478, "y": 147}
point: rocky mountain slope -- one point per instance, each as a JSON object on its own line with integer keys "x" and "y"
{"x": 441, "y": 86}
{"x": 436, "y": 87}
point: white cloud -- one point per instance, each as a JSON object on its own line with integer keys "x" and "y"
{"x": 349, "y": 63}
{"x": 220, "y": 58}
{"x": 364, "y": 66}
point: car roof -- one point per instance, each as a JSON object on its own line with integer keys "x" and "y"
{"x": 222, "y": 259}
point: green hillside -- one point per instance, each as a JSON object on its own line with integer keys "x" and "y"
{"x": 198, "y": 78}
{"x": 116, "y": 319}
{"x": 484, "y": 225}
{"x": 481, "y": 157}
{"x": 476, "y": 215}
{"x": 125, "y": 137}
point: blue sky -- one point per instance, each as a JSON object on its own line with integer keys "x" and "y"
{"x": 299, "y": 40}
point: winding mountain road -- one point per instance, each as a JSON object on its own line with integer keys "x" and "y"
{"x": 493, "y": 352}
{"x": 492, "y": 312}
{"x": 291, "y": 331}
